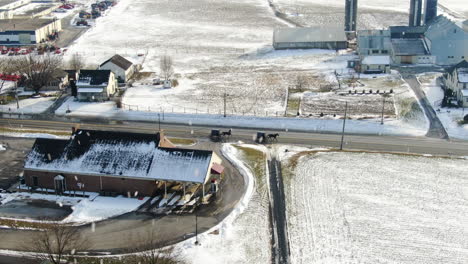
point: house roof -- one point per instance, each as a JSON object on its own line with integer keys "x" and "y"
{"x": 309, "y": 34}
{"x": 119, "y": 61}
{"x": 462, "y": 65}
{"x": 380, "y": 60}
{"x": 93, "y": 77}
{"x": 119, "y": 154}
{"x": 411, "y": 47}
{"x": 29, "y": 24}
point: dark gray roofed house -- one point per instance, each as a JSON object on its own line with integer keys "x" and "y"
{"x": 121, "y": 67}
{"x": 96, "y": 85}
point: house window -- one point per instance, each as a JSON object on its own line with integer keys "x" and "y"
{"x": 384, "y": 51}
{"x": 375, "y": 51}
{"x": 35, "y": 181}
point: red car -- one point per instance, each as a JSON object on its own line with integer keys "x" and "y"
{"x": 5, "y": 51}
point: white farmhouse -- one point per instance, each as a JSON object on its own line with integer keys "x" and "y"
{"x": 96, "y": 85}
{"x": 456, "y": 80}
{"x": 121, "y": 67}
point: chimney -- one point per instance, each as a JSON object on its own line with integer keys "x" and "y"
{"x": 430, "y": 11}
{"x": 351, "y": 15}
{"x": 415, "y": 13}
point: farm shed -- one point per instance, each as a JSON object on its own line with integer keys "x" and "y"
{"x": 120, "y": 66}
{"x": 118, "y": 162}
{"x": 310, "y": 38}
{"x": 375, "y": 64}
{"x": 27, "y": 31}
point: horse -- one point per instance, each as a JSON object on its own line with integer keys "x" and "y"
{"x": 226, "y": 133}
{"x": 273, "y": 136}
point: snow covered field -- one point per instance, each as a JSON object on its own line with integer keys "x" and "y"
{"x": 244, "y": 235}
{"x": 448, "y": 116}
{"x": 377, "y": 208}
{"x": 29, "y": 105}
{"x": 373, "y": 14}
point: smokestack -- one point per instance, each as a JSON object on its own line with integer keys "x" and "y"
{"x": 430, "y": 10}
{"x": 351, "y": 15}
{"x": 415, "y": 13}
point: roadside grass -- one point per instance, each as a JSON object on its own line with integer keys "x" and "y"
{"x": 408, "y": 108}
{"x": 131, "y": 259}
{"x": 293, "y": 106}
{"x": 256, "y": 161}
{"x": 21, "y": 130}
{"x": 19, "y": 224}
{"x": 183, "y": 141}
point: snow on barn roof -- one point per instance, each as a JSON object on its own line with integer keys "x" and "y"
{"x": 119, "y": 154}
{"x": 370, "y": 60}
{"x": 119, "y": 61}
{"x": 309, "y": 34}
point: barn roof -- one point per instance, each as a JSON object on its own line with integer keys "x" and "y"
{"x": 119, "y": 61}
{"x": 119, "y": 154}
{"x": 411, "y": 47}
{"x": 309, "y": 34}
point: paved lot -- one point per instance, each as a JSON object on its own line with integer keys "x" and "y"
{"x": 34, "y": 209}
{"x": 11, "y": 160}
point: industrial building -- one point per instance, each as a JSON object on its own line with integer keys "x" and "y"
{"x": 310, "y": 38}
{"x": 447, "y": 40}
{"x": 373, "y": 42}
{"x": 27, "y": 31}
{"x": 410, "y": 51}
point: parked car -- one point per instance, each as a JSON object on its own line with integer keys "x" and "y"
{"x": 82, "y": 23}
{"x": 60, "y": 10}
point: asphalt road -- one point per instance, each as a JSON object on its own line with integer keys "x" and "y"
{"x": 436, "y": 129}
{"x": 280, "y": 238}
{"x": 401, "y": 144}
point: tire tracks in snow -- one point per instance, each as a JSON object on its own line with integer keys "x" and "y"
{"x": 278, "y": 219}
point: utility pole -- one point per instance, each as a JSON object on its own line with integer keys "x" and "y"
{"x": 383, "y": 106}
{"x": 159, "y": 121}
{"x": 344, "y": 123}
{"x": 197, "y": 243}
{"x": 225, "y": 104}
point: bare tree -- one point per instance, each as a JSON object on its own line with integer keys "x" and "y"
{"x": 56, "y": 242}
{"x": 39, "y": 70}
{"x": 76, "y": 62}
{"x": 9, "y": 67}
{"x": 302, "y": 83}
{"x": 146, "y": 250}
{"x": 166, "y": 67}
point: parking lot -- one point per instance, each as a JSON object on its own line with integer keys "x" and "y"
{"x": 11, "y": 159}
